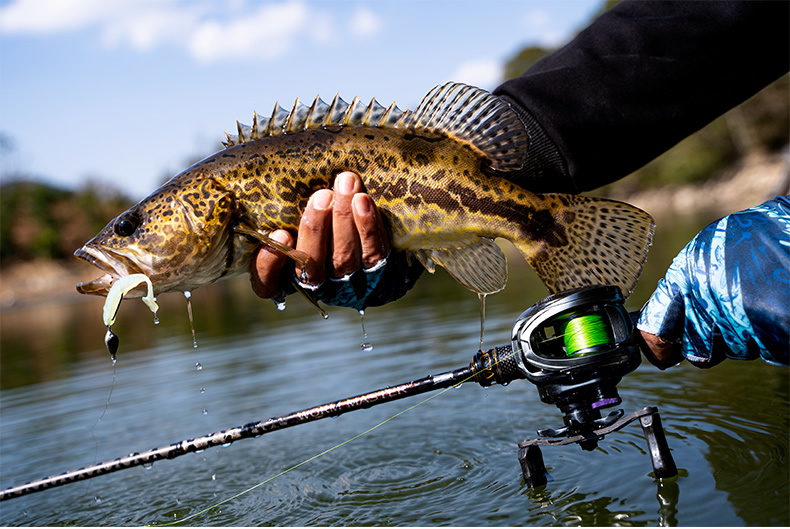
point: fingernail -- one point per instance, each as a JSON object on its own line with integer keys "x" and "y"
{"x": 321, "y": 199}
{"x": 361, "y": 203}
{"x": 345, "y": 183}
{"x": 280, "y": 236}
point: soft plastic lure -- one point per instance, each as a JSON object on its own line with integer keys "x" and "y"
{"x": 121, "y": 287}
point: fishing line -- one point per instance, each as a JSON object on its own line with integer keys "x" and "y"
{"x": 328, "y": 450}
{"x": 584, "y": 332}
{"x": 103, "y": 413}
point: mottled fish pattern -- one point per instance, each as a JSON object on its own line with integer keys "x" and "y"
{"x": 436, "y": 175}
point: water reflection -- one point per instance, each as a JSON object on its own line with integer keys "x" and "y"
{"x": 450, "y": 461}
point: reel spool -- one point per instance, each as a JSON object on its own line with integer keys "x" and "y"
{"x": 576, "y": 346}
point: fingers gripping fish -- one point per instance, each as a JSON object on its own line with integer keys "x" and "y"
{"x": 435, "y": 174}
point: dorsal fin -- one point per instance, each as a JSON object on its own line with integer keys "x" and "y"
{"x": 319, "y": 115}
{"x": 465, "y": 113}
{"x": 475, "y": 117}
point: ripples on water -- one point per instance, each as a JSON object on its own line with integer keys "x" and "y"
{"x": 450, "y": 461}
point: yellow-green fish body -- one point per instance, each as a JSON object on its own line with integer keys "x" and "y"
{"x": 435, "y": 174}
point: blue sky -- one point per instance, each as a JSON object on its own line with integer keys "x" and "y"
{"x": 127, "y": 91}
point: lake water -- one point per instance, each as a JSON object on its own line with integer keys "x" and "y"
{"x": 448, "y": 461}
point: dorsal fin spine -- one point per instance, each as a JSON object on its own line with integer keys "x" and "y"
{"x": 387, "y": 115}
{"x": 465, "y": 113}
{"x": 291, "y": 122}
{"x": 309, "y": 121}
{"x": 350, "y": 111}
{"x": 331, "y": 111}
{"x": 270, "y": 125}
{"x": 255, "y": 126}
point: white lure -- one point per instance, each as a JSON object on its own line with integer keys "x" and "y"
{"x": 121, "y": 287}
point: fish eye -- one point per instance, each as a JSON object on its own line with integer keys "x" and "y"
{"x": 126, "y": 225}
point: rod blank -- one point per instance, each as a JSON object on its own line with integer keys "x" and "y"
{"x": 253, "y": 429}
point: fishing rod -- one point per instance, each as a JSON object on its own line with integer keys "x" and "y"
{"x": 575, "y": 346}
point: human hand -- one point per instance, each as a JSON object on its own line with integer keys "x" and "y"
{"x": 341, "y": 231}
{"x": 726, "y": 294}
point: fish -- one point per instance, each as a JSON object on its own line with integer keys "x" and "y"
{"x": 437, "y": 175}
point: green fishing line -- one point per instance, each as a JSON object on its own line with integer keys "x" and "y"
{"x": 584, "y": 332}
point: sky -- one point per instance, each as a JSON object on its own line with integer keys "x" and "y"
{"x": 130, "y": 92}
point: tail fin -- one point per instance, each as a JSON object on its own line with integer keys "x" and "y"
{"x": 593, "y": 241}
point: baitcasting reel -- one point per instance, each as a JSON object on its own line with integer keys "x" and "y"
{"x": 575, "y": 346}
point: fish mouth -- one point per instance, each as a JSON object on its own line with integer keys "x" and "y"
{"x": 113, "y": 263}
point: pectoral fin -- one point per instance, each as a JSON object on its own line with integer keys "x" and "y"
{"x": 481, "y": 266}
{"x": 301, "y": 258}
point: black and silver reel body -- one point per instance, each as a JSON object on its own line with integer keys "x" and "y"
{"x": 576, "y": 346}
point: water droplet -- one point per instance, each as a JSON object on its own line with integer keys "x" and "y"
{"x": 205, "y": 411}
{"x": 213, "y": 477}
{"x": 178, "y": 501}
{"x": 156, "y": 319}
{"x": 188, "y": 295}
{"x": 148, "y": 466}
{"x": 365, "y": 345}
{"x": 114, "y": 360}
{"x": 97, "y": 499}
{"x": 202, "y": 390}
{"x": 198, "y": 366}
{"x": 279, "y": 303}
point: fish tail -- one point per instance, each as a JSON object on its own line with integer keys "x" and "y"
{"x": 588, "y": 241}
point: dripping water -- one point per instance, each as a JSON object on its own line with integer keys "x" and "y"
{"x": 279, "y": 303}
{"x": 188, "y": 295}
{"x": 482, "y": 298}
{"x": 365, "y": 345}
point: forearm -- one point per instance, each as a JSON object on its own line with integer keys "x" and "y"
{"x": 641, "y": 78}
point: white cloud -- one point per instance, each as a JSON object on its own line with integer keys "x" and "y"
{"x": 47, "y": 16}
{"x": 206, "y": 30}
{"x": 150, "y": 25}
{"x": 365, "y": 23}
{"x": 482, "y": 73}
{"x": 267, "y": 33}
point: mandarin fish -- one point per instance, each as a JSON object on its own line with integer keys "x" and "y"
{"x": 435, "y": 173}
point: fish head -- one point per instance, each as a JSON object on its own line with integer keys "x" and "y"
{"x": 181, "y": 237}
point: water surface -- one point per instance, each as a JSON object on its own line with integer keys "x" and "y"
{"x": 449, "y": 461}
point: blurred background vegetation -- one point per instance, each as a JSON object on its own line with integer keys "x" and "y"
{"x": 39, "y": 221}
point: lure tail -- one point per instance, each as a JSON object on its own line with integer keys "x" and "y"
{"x": 589, "y": 241}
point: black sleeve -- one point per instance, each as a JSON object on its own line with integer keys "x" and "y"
{"x": 639, "y": 79}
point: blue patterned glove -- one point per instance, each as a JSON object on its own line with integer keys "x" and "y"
{"x": 727, "y": 293}
{"x": 385, "y": 282}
